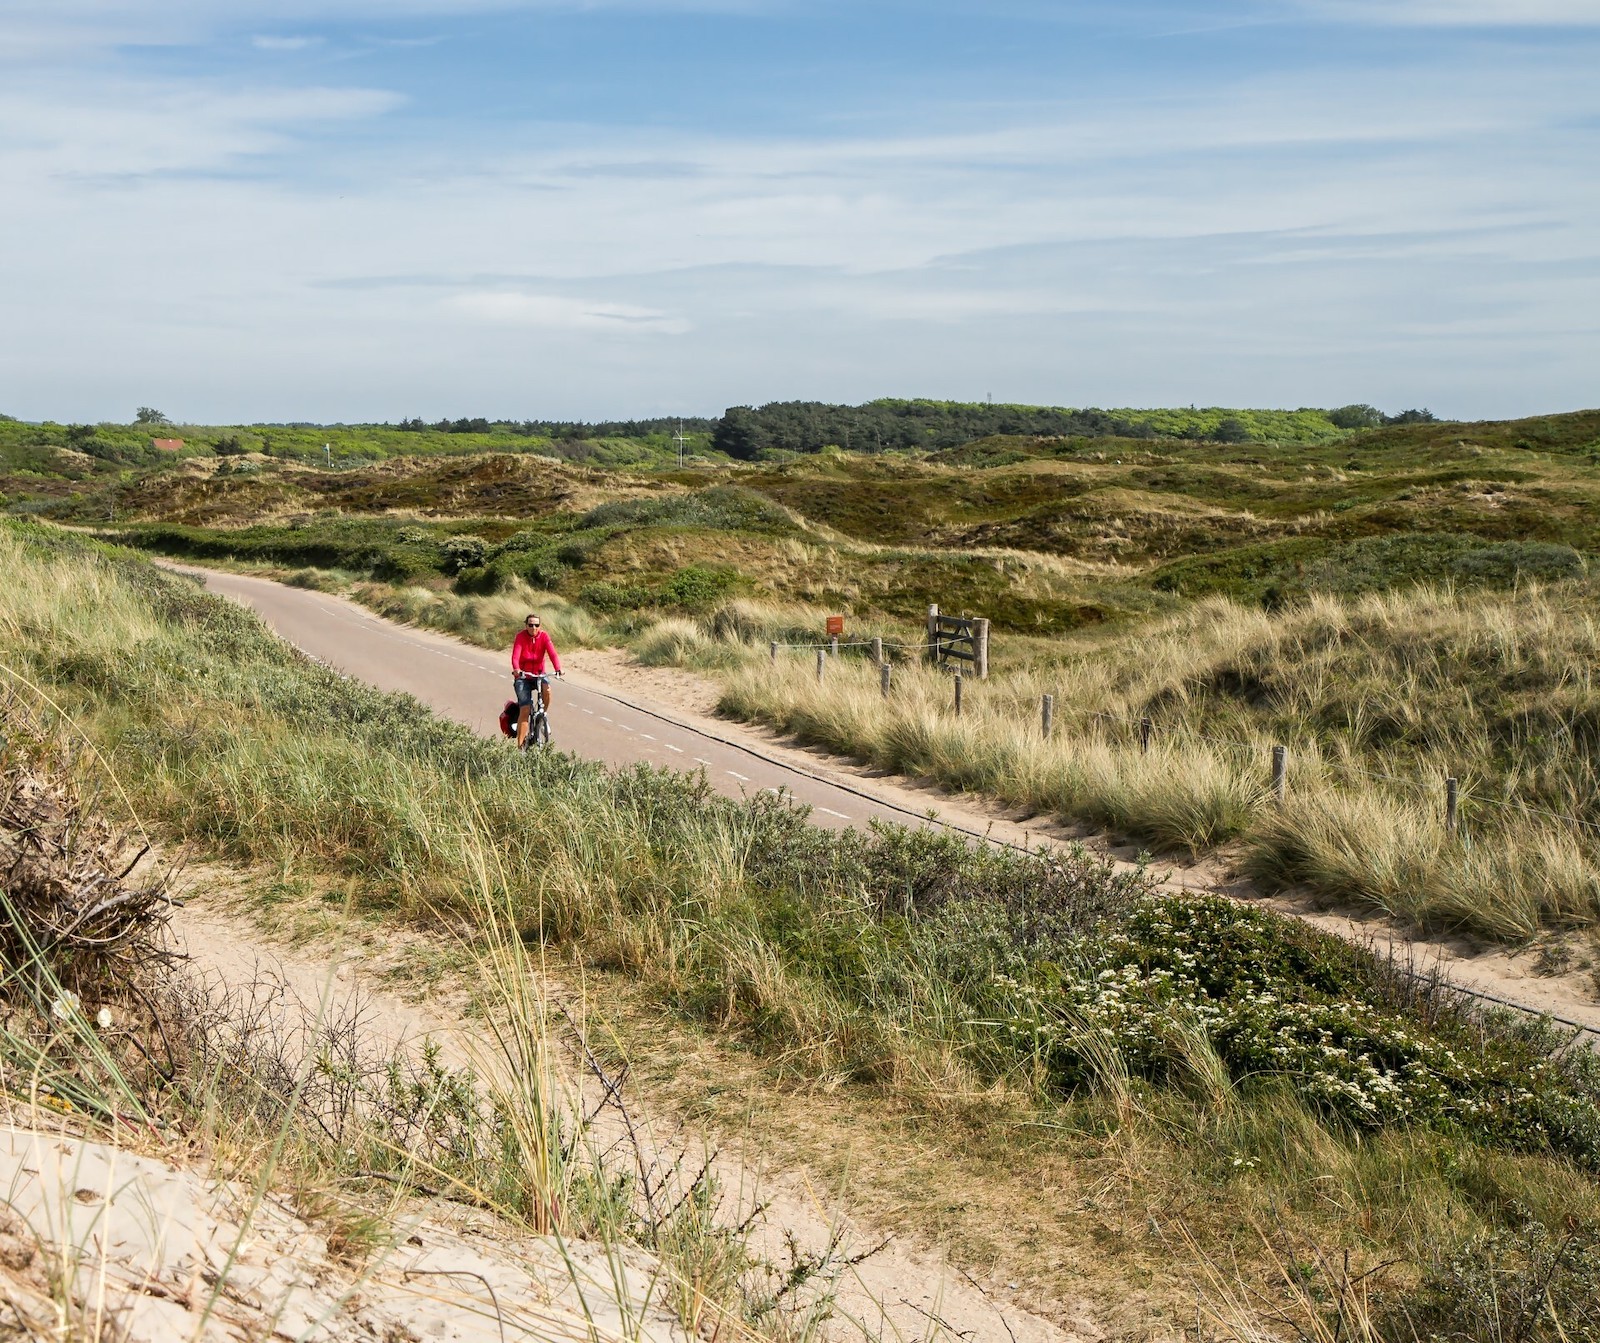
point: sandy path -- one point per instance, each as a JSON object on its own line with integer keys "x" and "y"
{"x": 903, "y": 1291}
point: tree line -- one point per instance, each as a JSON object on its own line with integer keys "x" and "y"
{"x": 564, "y": 431}
{"x": 882, "y": 426}
{"x": 749, "y": 432}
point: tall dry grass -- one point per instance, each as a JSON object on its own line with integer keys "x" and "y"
{"x": 492, "y": 620}
{"x": 299, "y": 1098}
{"x": 737, "y": 915}
{"x": 1377, "y": 700}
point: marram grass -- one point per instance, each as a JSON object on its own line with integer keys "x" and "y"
{"x": 1377, "y": 701}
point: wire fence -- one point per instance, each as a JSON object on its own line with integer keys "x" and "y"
{"x": 1148, "y": 731}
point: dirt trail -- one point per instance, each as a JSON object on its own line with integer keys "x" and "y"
{"x": 902, "y": 1291}
{"x": 1523, "y": 977}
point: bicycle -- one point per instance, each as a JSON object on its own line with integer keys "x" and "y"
{"x": 538, "y": 715}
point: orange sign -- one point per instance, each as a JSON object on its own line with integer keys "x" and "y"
{"x": 835, "y": 626}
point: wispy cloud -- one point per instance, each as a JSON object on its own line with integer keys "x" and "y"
{"x": 554, "y": 312}
{"x": 1401, "y": 232}
{"x": 1461, "y": 13}
{"x": 126, "y": 129}
{"x": 267, "y": 42}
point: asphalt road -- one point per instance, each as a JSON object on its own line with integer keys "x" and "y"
{"x": 471, "y": 684}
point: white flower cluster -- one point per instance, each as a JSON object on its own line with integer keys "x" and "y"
{"x": 1144, "y": 991}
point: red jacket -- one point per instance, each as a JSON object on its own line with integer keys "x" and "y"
{"x": 528, "y": 652}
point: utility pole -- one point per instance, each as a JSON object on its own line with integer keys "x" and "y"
{"x": 679, "y": 439}
{"x": 328, "y": 448}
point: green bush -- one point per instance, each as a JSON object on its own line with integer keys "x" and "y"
{"x": 463, "y": 552}
{"x": 1522, "y": 1284}
{"x": 607, "y": 598}
{"x": 697, "y": 587}
{"x": 403, "y": 564}
{"x": 1276, "y": 999}
{"x": 722, "y": 508}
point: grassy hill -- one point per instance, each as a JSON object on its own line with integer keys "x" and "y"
{"x": 1221, "y": 1106}
{"x": 1044, "y": 535}
{"x": 1267, "y": 580}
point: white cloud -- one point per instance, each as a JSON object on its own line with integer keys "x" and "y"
{"x": 556, "y": 313}
{"x": 31, "y": 28}
{"x": 1407, "y": 236}
{"x": 267, "y": 42}
{"x": 116, "y": 130}
{"x": 1461, "y": 13}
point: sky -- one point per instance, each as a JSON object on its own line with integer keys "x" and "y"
{"x": 358, "y": 210}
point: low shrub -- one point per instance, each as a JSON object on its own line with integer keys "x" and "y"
{"x": 720, "y": 508}
{"x": 1518, "y": 1284}
{"x": 1276, "y": 999}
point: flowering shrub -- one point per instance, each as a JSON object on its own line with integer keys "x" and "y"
{"x": 1276, "y": 999}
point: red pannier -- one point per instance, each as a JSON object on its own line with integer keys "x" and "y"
{"x": 508, "y": 718}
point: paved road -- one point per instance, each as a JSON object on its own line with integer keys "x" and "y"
{"x": 470, "y": 685}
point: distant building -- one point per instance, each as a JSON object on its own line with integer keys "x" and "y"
{"x": 167, "y": 444}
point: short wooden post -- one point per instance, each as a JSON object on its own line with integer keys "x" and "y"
{"x": 774, "y": 651}
{"x": 822, "y": 657}
{"x": 1145, "y": 726}
{"x": 833, "y": 646}
{"x": 883, "y": 678}
{"x": 980, "y": 647}
{"x": 1452, "y": 806}
{"x": 958, "y": 692}
{"x": 1047, "y": 715}
{"x": 933, "y": 631}
{"x": 877, "y": 649}
{"x": 1280, "y": 772}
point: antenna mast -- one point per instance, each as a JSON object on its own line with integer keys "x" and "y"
{"x": 678, "y": 438}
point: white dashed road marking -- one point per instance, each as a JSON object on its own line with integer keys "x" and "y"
{"x": 829, "y": 811}
{"x": 743, "y": 778}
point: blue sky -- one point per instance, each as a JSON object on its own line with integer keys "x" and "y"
{"x": 371, "y": 209}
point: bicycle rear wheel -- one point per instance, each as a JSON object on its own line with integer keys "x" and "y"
{"x": 539, "y": 729}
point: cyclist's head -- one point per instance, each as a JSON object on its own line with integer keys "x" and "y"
{"x": 532, "y": 622}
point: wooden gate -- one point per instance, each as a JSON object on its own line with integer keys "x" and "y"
{"x": 963, "y": 638}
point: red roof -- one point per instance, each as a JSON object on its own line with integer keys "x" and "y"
{"x": 170, "y": 444}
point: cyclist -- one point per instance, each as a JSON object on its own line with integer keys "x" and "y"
{"x": 528, "y": 652}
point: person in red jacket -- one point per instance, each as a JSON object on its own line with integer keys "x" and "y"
{"x": 528, "y": 652}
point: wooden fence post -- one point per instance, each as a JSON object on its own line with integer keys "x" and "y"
{"x": 883, "y": 678}
{"x": 933, "y": 631}
{"x": 833, "y": 646}
{"x": 1280, "y": 773}
{"x": 822, "y": 657}
{"x": 980, "y": 647}
{"x": 958, "y": 692}
{"x": 1452, "y": 806}
{"x": 774, "y": 651}
{"x": 1047, "y": 715}
{"x": 1145, "y": 726}
{"x": 877, "y": 649}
